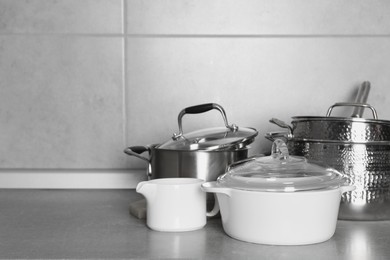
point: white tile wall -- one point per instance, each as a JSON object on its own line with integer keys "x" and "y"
{"x": 254, "y": 79}
{"x": 254, "y": 17}
{"x": 80, "y": 80}
{"x": 63, "y": 17}
{"x": 61, "y": 102}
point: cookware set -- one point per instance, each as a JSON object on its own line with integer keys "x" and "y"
{"x": 321, "y": 168}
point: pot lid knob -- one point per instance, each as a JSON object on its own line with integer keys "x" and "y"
{"x": 280, "y": 150}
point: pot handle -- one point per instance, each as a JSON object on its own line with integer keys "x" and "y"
{"x": 340, "y": 104}
{"x": 215, "y": 209}
{"x": 282, "y": 124}
{"x": 272, "y": 136}
{"x": 201, "y": 109}
{"x": 347, "y": 188}
{"x": 136, "y": 151}
{"x": 212, "y": 187}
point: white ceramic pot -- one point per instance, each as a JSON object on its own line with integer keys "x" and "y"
{"x": 279, "y": 199}
{"x": 278, "y": 218}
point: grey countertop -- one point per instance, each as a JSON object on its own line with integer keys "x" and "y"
{"x": 96, "y": 224}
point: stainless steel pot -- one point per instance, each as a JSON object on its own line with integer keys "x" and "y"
{"x": 205, "y": 165}
{"x": 357, "y": 147}
{"x": 203, "y": 154}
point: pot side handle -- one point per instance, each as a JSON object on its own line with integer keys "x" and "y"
{"x": 215, "y": 209}
{"x": 136, "y": 151}
{"x": 282, "y": 124}
{"x": 212, "y": 187}
{"x": 272, "y": 136}
{"x": 347, "y": 188}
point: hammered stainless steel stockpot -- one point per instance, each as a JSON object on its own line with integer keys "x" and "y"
{"x": 357, "y": 147}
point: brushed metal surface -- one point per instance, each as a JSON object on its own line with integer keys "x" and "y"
{"x": 205, "y": 165}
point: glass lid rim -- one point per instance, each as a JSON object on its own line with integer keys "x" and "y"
{"x": 189, "y": 144}
{"x": 265, "y": 186}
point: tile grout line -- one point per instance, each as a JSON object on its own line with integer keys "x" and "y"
{"x": 259, "y": 36}
{"x": 125, "y": 35}
{"x": 124, "y": 71}
{"x": 38, "y": 34}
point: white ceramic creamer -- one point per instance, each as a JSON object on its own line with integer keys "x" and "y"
{"x": 175, "y": 204}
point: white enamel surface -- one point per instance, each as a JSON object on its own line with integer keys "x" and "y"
{"x": 174, "y": 204}
{"x": 295, "y": 218}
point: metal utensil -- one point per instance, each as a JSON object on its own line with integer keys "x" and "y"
{"x": 361, "y": 97}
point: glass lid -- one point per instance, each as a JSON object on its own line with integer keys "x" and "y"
{"x": 217, "y": 138}
{"x": 280, "y": 172}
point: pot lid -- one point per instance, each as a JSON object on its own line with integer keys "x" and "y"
{"x": 352, "y": 118}
{"x": 210, "y": 139}
{"x": 280, "y": 172}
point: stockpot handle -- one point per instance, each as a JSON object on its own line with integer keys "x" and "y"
{"x": 374, "y": 114}
{"x": 202, "y": 109}
{"x": 273, "y": 135}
